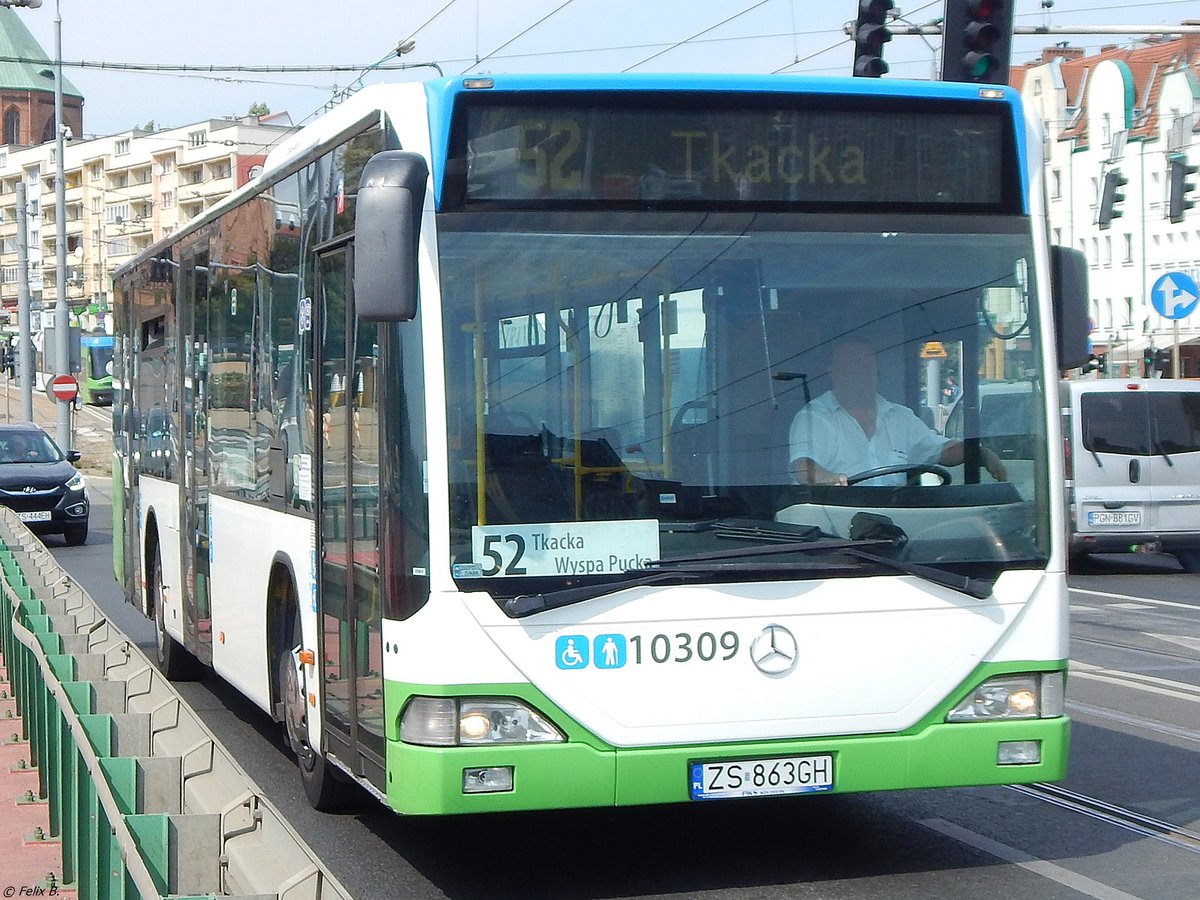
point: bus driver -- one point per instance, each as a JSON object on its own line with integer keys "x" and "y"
{"x": 851, "y": 429}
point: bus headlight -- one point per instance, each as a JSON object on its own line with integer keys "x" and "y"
{"x": 474, "y": 721}
{"x": 1033, "y": 696}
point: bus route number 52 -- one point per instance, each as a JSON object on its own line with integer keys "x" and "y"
{"x": 492, "y": 547}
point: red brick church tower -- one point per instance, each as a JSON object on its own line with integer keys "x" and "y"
{"x": 27, "y": 88}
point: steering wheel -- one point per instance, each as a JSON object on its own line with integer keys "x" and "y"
{"x": 910, "y": 469}
{"x": 677, "y": 423}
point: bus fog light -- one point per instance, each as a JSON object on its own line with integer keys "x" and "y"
{"x": 503, "y": 721}
{"x": 495, "y": 779}
{"x": 430, "y": 721}
{"x": 492, "y": 780}
{"x": 1018, "y": 753}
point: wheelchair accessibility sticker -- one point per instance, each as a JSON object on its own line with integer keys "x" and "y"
{"x": 605, "y": 651}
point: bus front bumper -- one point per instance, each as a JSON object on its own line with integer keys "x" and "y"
{"x": 430, "y": 781}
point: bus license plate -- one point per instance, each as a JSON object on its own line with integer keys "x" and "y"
{"x": 1130, "y": 517}
{"x": 761, "y": 777}
{"x": 38, "y": 515}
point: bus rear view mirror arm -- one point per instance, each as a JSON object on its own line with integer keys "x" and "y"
{"x": 387, "y": 226}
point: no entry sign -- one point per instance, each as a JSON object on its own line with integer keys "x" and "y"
{"x": 64, "y": 388}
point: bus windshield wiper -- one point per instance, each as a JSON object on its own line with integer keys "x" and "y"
{"x": 684, "y": 568}
{"x": 964, "y": 584}
{"x": 528, "y": 604}
{"x": 677, "y": 569}
{"x": 826, "y": 544}
{"x": 973, "y": 587}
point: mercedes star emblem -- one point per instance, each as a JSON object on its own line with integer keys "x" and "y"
{"x": 774, "y": 651}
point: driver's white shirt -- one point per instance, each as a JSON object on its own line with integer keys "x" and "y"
{"x": 832, "y": 438}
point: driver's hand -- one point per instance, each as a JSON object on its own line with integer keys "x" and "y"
{"x": 994, "y": 466}
{"x": 838, "y": 478}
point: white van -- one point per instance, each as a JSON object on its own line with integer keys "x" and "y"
{"x": 1133, "y": 466}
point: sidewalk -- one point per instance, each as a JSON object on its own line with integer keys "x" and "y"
{"x": 29, "y": 859}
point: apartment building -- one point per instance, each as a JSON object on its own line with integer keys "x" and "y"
{"x": 123, "y": 192}
{"x": 1126, "y": 110}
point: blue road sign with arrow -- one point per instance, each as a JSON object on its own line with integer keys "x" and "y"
{"x": 1175, "y": 295}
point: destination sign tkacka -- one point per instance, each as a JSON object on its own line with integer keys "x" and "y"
{"x": 756, "y": 150}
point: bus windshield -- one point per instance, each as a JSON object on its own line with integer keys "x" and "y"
{"x": 100, "y": 357}
{"x": 624, "y": 389}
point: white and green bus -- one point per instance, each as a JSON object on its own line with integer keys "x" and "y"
{"x": 458, "y": 441}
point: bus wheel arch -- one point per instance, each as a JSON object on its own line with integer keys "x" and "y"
{"x": 175, "y": 661}
{"x": 283, "y": 627}
{"x": 324, "y": 785}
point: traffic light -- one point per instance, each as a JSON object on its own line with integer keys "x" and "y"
{"x": 977, "y": 41}
{"x": 1177, "y": 175}
{"x": 870, "y": 34}
{"x": 1162, "y": 359}
{"x": 1111, "y": 197}
{"x": 1096, "y": 363}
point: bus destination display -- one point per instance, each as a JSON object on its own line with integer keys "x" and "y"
{"x": 537, "y": 154}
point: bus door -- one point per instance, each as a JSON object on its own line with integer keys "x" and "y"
{"x": 349, "y": 606}
{"x": 194, "y": 428}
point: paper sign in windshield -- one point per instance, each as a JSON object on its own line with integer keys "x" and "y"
{"x": 564, "y": 548}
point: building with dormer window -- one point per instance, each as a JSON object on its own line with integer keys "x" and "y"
{"x": 1124, "y": 112}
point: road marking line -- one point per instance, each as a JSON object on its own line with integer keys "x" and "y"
{"x": 1149, "y": 600}
{"x": 1052, "y": 871}
{"x": 1162, "y": 686}
{"x": 1182, "y": 640}
{"x": 1099, "y": 712}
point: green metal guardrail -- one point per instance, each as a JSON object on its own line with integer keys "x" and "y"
{"x": 145, "y": 800}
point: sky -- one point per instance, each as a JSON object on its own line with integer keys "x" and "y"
{"x": 479, "y": 36}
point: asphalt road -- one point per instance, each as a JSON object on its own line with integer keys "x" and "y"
{"x": 1125, "y": 823}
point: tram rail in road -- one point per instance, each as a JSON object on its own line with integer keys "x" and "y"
{"x": 1176, "y": 836}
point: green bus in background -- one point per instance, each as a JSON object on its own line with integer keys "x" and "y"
{"x": 95, "y": 369}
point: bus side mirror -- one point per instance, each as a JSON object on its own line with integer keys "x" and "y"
{"x": 387, "y": 227}
{"x": 1069, "y": 292}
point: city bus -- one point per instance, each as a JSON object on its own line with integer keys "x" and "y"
{"x": 458, "y": 442}
{"x": 95, "y": 369}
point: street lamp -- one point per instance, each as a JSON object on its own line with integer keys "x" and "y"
{"x": 62, "y": 325}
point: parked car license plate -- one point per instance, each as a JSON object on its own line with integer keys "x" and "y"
{"x": 1110, "y": 517}
{"x": 37, "y": 515}
{"x": 761, "y": 777}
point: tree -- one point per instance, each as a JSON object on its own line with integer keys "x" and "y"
{"x": 259, "y": 109}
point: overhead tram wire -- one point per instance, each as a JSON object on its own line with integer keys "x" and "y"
{"x": 797, "y": 62}
{"x": 519, "y": 35}
{"x": 677, "y": 44}
{"x": 428, "y": 22}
